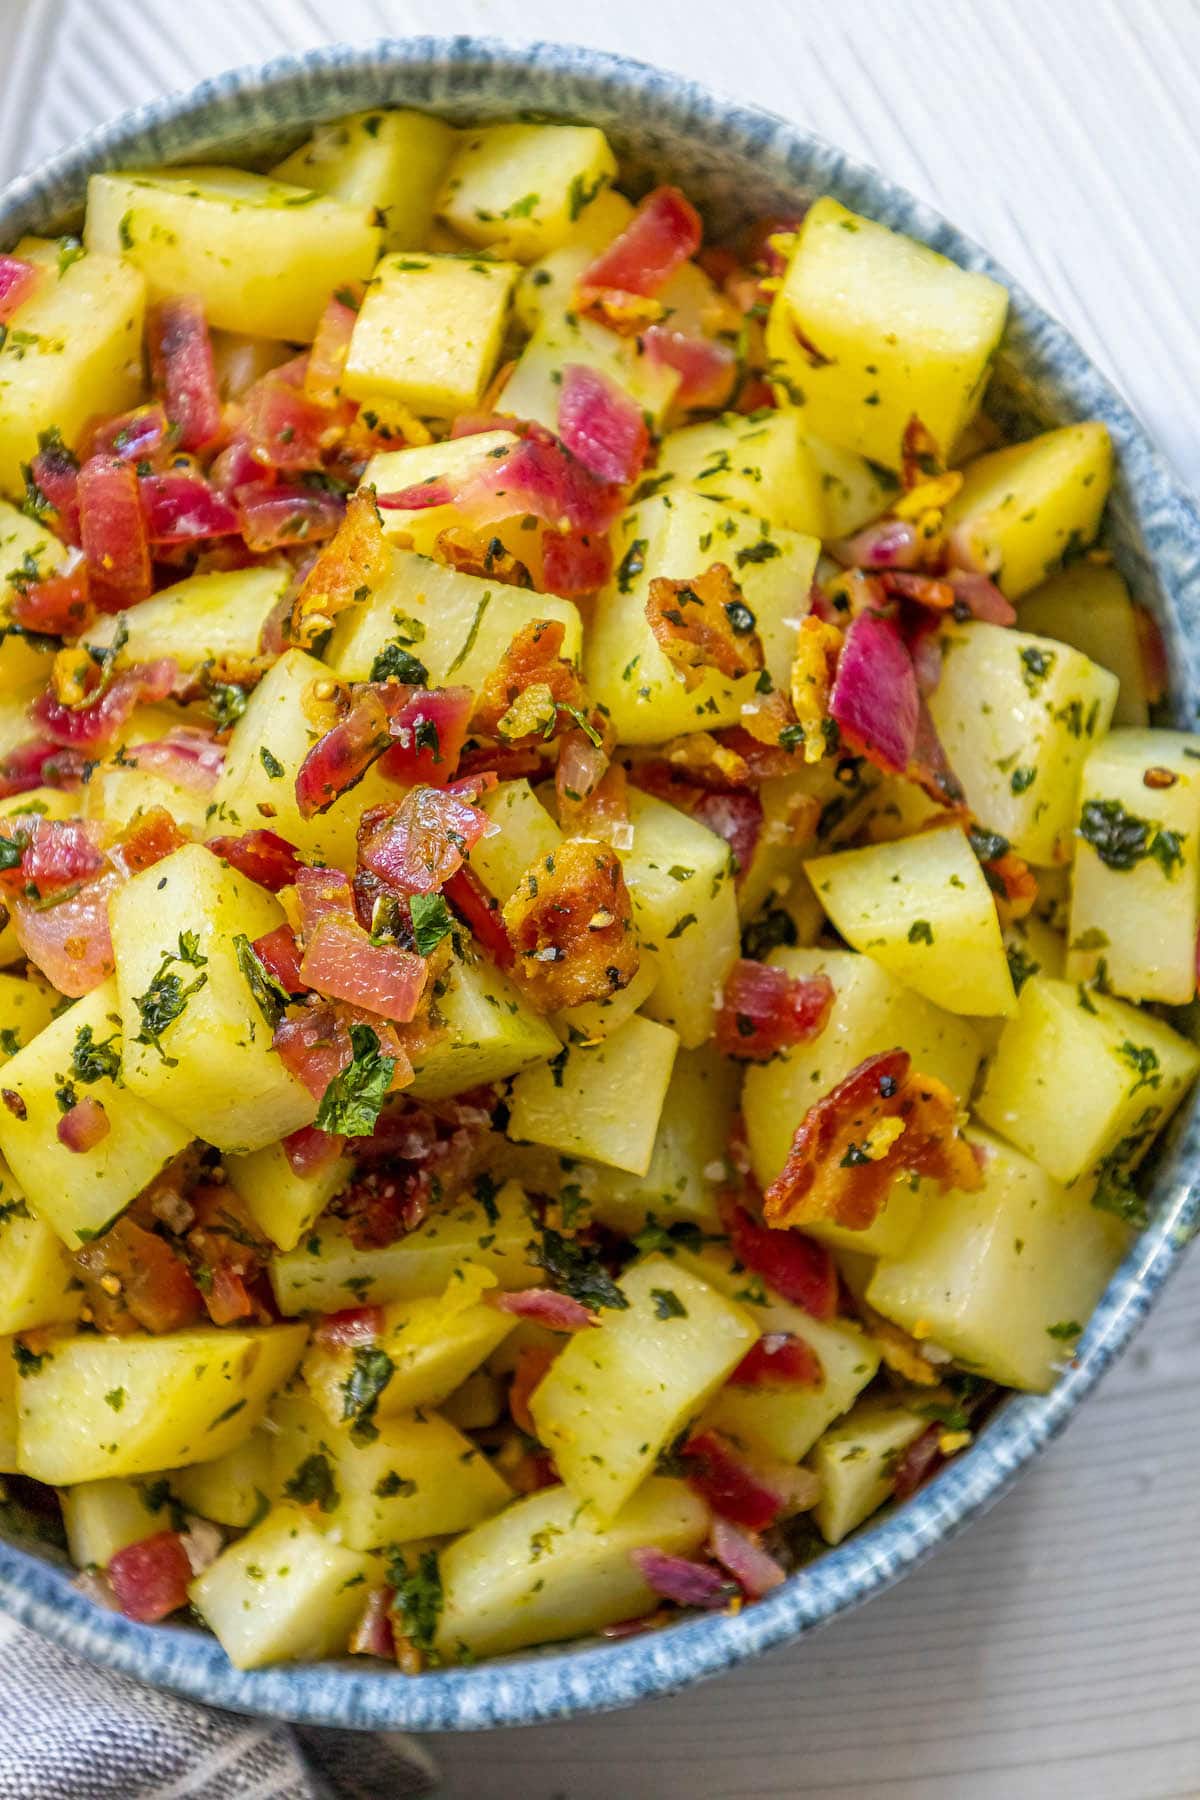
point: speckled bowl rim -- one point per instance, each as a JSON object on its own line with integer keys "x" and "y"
{"x": 561, "y": 1682}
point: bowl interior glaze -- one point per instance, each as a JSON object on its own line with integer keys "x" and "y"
{"x": 739, "y": 163}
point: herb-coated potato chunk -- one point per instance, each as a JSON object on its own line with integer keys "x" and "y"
{"x": 26, "y": 1007}
{"x": 96, "y": 1406}
{"x": 428, "y": 333}
{"x": 518, "y": 189}
{"x": 492, "y": 1229}
{"x": 489, "y": 1031}
{"x": 38, "y": 1284}
{"x": 922, "y": 908}
{"x": 233, "y": 1489}
{"x": 871, "y": 329}
{"x": 197, "y": 1042}
{"x": 855, "y": 1462}
{"x": 282, "y": 1201}
{"x": 72, "y": 351}
{"x": 261, "y": 255}
{"x": 679, "y": 536}
{"x": 386, "y": 164}
{"x": 1022, "y": 509}
{"x": 620, "y": 1391}
{"x": 759, "y": 462}
{"x": 28, "y": 552}
{"x": 1083, "y": 1083}
{"x": 1137, "y": 860}
{"x": 284, "y": 1593}
{"x": 208, "y": 618}
{"x": 102, "y": 1517}
{"x": 601, "y": 1101}
{"x": 80, "y": 1193}
{"x": 544, "y": 1569}
{"x": 1018, "y": 715}
{"x": 526, "y": 834}
{"x": 533, "y": 389}
{"x": 1087, "y": 605}
{"x": 854, "y": 490}
{"x": 1004, "y": 1278}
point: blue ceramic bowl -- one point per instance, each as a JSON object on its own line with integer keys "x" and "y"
{"x": 739, "y": 163}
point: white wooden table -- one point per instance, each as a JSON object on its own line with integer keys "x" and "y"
{"x": 1052, "y": 1652}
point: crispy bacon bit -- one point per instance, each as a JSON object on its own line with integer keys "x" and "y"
{"x": 350, "y": 1329}
{"x": 752, "y": 1492}
{"x": 143, "y": 435}
{"x": 923, "y": 590}
{"x": 533, "y": 659}
{"x": 532, "y": 1364}
{"x": 261, "y": 856}
{"x": 427, "y": 736}
{"x": 374, "y": 1634}
{"x": 481, "y": 553}
{"x": 662, "y": 235}
{"x": 737, "y": 817}
{"x": 706, "y": 368}
{"x": 150, "y": 1578}
{"x": 228, "y": 1253}
{"x": 276, "y": 515}
{"x": 418, "y": 845}
{"x": 482, "y": 914}
{"x": 355, "y": 562}
{"x": 59, "y": 606}
{"x": 977, "y": 596}
{"x": 190, "y": 758}
{"x": 69, "y": 940}
{"x": 112, "y": 530}
{"x": 55, "y": 472}
{"x": 133, "y": 1278}
{"x": 796, "y": 1267}
{"x": 574, "y": 563}
{"x": 1014, "y": 884}
{"x": 600, "y": 424}
{"x": 84, "y": 1126}
{"x": 559, "y": 1312}
{"x": 571, "y": 925}
{"x": 95, "y": 724}
{"x": 886, "y": 544}
{"x": 148, "y": 837}
{"x": 339, "y": 759}
{"x": 921, "y": 459}
{"x": 327, "y": 358}
{"x": 765, "y": 1010}
{"x": 314, "y": 1046}
{"x": 779, "y": 1359}
{"x": 57, "y": 854}
{"x": 921, "y": 1460}
{"x": 754, "y": 1569}
{"x": 18, "y": 279}
{"x": 704, "y": 624}
{"x": 341, "y": 962}
{"x": 814, "y": 671}
{"x": 279, "y": 954}
{"x": 182, "y": 507}
{"x": 310, "y": 1151}
{"x": 685, "y": 1582}
{"x": 181, "y": 363}
{"x": 875, "y": 702}
{"x": 880, "y": 1121}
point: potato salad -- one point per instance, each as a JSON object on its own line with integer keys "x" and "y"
{"x": 595, "y": 926}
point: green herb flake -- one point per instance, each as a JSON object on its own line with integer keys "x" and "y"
{"x": 313, "y": 1484}
{"x": 352, "y": 1101}
{"x": 667, "y": 1304}
{"x": 431, "y": 921}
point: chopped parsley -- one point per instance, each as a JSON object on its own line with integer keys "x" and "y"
{"x": 431, "y": 921}
{"x": 1065, "y": 1330}
{"x": 92, "y": 1061}
{"x": 632, "y": 564}
{"x": 395, "y": 661}
{"x": 270, "y": 763}
{"x": 577, "y": 1271}
{"x": 313, "y": 1483}
{"x": 418, "y": 1597}
{"x": 920, "y": 932}
{"x": 268, "y": 995}
{"x": 351, "y": 1103}
{"x": 226, "y": 704}
{"x": 667, "y": 1304}
{"x": 1122, "y": 840}
{"x": 166, "y": 998}
{"x": 369, "y": 1375}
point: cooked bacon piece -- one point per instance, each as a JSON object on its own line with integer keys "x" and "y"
{"x": 881, "y": 1121}
{"x": 435, "y": 490}
{"x": 929, "y": 766}
{"x": 574, "y": 563}
{"x": 57, "y": 854}
{"x": 482, "y": 914}
{"x": 921, "y": 458}
{"x": 276, "y": 515}
{"x": 921, "y": 1460}
{"x": 133, "y": 1277}
{"x": 322, "y": 894}
{"x": 532, "y": 1363}
{"x": 664, "y": 232}
{"x": 532, "y": 662}
{"x": 148, "y": 837}
{"x": 279, "y": 954}
{"x": 571, "y": 925}
{"x": 351, "y": 1328}
{"x": 150, "y": 1579}
{"x": 875, "y": 700}
{"x": 181, "y": 507}
{"x": 95, "y": 724}
{"x": 796, "y": 1267}
{"x": 704, "y": 624}
{"x": 384, "y": 1204}
{"x": 481, "y": 553}
{"x": 310, "y": 1151}
{"x": 427, "y": 736}
{"x": 228, "y": 1253}
{"x": 538, "y": 476}
{"x": 355, "y": 562}
{"x": 977, "y": 596}
{"x": 736, "y": 816}
{"x": 680, "y": 1579}
{"x": 374, "y": 1634}
{"x": 181, "y": 364}
{"x": 327, "y": 358}
{"x": 706, "y": 368}
{"x": 55, "y": 472}
{"x": 418, "y": 845}
{"x": 1014, "y": 884}
{"x": 60, "y": 606}
{"x": 39, "y": 763}
{"x": 886, "y": 544}
{"x": 112, "y": 531}
{"x": 339, "y": 759}
{"x": 779, "y": 1359}
{"x": 286, "y": 431}
{"x": 18, "y": 279}
{"x": 84, "y": 1126}
{"x": 559, "y": 1312}
{"x": 754, "y": 1569}
{"x": 600, "y": 424}
{"x": 754, "y": 1493}
{"x": 341, "y": 962}
{"x": 765, "y": 1010}
{"x": 924, "y": 590}
{"x": 69, "y": 939}
{"x": 261, "y": 856}
{"x": 314, "y": 1046}
{"x": 143, "y": 435}
{"x": 190, "y": 758}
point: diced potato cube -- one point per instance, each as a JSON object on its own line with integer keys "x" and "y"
{"x": 759, "y": 462}
{"x": 1033, "y": 948}
{"x": 432, "y": 1345}
{"x": 1018, "y": 715}
{"x": 281, "y": 1202}
{"x": 458, "y": 626}
{"x": 284, "y": 1593}
{"x": 533, "y": 389}
{"x": 415, "y": 1476}
{"x": 28, "y": 552}
{"x": 490, "y": 1031}
{"x": 102, "y": 1517}
{"x": 454, "y": 461}
{"x": 1135, "y": 890}
{"x": 8, "y": 1409}
{"x": 201, "y": 1048}
{"x": 601, "y": 1100}
{"x": 428, "y": 333}
{"x": 261, "y": 255}
{"x": 922, "y": 908}
{"x": 328, "y": 1272}
{"x": 621, "y": 1391}
{"x": 73, "y": 350}
{"x": 99, "y": 1406}
{"x": 518, "y": 189}
{"x": 681, "y": 883}
{"x": 26, "y": 1007}
{"x": 871, "y": 328}
{"x": 386, "y": 164}
{"x": 527, "y": 834}
{"x": 257, "y": 787}
{"x": 209, "y": 618}
{"x": 1005, "y": 1278}
{"x": 540, "y": 1572}
{"x": 592, "y": 1020}
{"x": 38, "y": 1284}
{"x": 1083, "y": 1083}
{"x": 1087, "y": 605}
{"x": 79, "y": 1194}
{"x": 679, "y": 536}
{"x": 853, "y": 489}
{"x": 1024, "y": 508}
{"x": 855, "y": 1462}
{"x": 234, "y": 1489}
{"x": 547, "y": 286}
